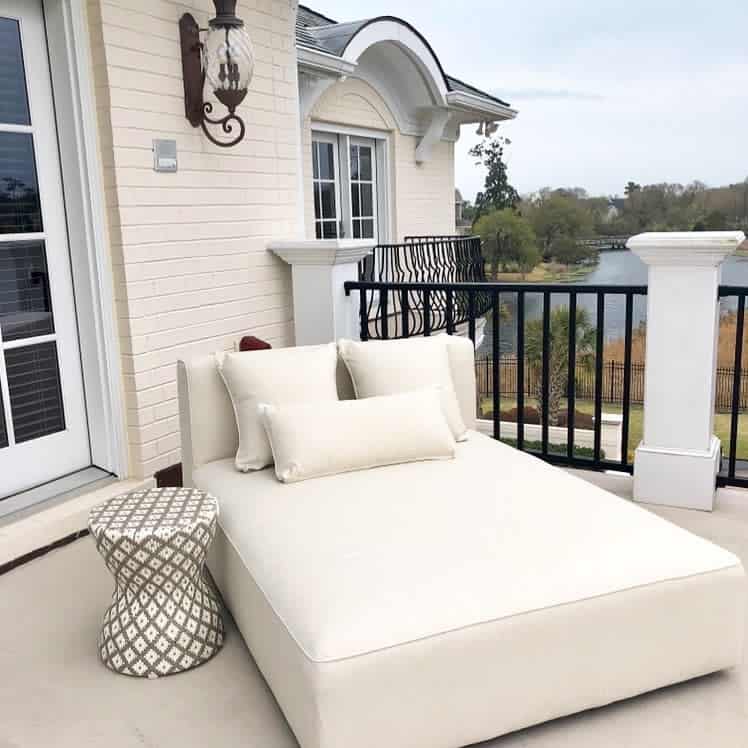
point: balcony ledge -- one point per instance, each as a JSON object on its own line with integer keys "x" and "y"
{"x": 681, "y": 248}
{"x": 322, "y": 251}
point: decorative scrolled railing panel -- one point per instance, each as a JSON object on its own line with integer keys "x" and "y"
{"x": 423, "y": 259}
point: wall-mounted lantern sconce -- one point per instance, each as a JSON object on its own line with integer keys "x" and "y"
{"x": 225, "y": 59}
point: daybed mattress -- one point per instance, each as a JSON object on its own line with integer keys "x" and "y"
{"x": 433, "y": 605}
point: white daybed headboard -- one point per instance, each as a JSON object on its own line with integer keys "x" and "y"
{"x": 206, "y": 416}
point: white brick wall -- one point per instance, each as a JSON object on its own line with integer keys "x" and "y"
{"x": 423, "y": 193}
{"x": 191, "y": 271}
{"x": 188, "y": 250}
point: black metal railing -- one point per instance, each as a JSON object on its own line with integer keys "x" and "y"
{"x": 557, "y": 356}
{"x": 423, "y": 259}
{"x": 734, "y": 472}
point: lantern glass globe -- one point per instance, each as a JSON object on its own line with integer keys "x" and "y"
{"x": 228, "y": 59}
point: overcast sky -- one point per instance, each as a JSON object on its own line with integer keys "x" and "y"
{"x": 647, "y": 90}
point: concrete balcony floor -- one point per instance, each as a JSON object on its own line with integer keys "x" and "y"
{"x": 55, "y": 692}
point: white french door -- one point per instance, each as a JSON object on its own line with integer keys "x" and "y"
{"x": 346, "y": 186}
{"x": 43, "y": 425}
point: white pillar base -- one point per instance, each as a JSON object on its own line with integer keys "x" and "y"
{"x": 680, "y": 478}
{"x": 319, "y": 270}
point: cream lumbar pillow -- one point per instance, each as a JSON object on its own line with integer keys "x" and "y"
{"x": 312, "y": 440}
{"x": 278, "y": 376}
{"x": 387, "y": 367}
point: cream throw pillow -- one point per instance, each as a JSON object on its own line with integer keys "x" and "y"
{"x": 386, "y": 367}
{"x": 277, "y": 376}
{"x": 316, "y": 439}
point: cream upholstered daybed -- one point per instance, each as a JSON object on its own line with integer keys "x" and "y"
{"x": 437, "y": 604}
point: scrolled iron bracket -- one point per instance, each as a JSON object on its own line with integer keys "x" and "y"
{"x": 225, "y": 124}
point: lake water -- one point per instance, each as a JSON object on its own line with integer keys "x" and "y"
{"x": 613, "y": 268}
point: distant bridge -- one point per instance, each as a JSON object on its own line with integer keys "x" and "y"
{"x": 605, "y": 243}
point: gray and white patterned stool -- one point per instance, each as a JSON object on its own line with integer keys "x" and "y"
{"x": 164, "y": 617}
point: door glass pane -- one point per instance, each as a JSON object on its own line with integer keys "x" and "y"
{"x": 367, "y": 229}
{"x": 315, "y": 160}
{"x": 3, "y": 427}
{"x": 364, "y": 163}
{"x": 317, "y": 202}
{"x": 355, "y": 202}
{"x": 356, "y": 228}
{"x": 329, "y": 229}
{"x": 25, "y": 303}
{"x": 14, "y": 104}
{"x": 35, "y": 393}
{"x": 354, "y": 162}
{"x": 367, "y": 208}
{"x": 20, "y": 210}
{"x": 326, "y": 161}
{"x": 328, "y": 199}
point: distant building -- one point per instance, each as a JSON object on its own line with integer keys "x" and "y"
{"x": 464, "y": 226}
{"x": 615, "y": 208}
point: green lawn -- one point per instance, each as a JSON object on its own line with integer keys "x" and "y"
{"x": 636, "y": 425}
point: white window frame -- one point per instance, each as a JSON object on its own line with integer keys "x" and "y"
{"x": 343, "y": 136}
{"x": 348, "y": 180}
{"x": 336, "y": 181}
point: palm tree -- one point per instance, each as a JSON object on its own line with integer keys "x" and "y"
{"x": 558, "y": 359}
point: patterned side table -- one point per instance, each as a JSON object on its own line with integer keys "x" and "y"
{"x": 164, "y": 617}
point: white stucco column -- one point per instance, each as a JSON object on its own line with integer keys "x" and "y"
{"x": 319, "y": 268}
{"x": 678, "y": 459}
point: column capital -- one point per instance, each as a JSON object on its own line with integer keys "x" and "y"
{"x": 685, "y": 248}
{"x": 322, "y": 252}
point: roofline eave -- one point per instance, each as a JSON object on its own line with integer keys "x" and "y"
{"x": 483, "y": 109}
{"x": 325, "y": 63}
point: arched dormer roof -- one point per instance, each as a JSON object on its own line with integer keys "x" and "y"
{"x": 398, "y": 62}
{"x": 351, "y": 41}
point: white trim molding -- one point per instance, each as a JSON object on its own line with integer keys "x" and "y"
{"x": 312, "y": 60}
{"x": 68, "y": 41}
{"x": 482, "y": 108}
{"x": 399, "y": 33}
{"x": 311, "y": 88}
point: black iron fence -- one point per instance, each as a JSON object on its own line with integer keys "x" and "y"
{"x": 423, "y": 259}
{"x": 552, "y": 344}
{"x": 613, "y": 380}
{"x": 584, "y": 379}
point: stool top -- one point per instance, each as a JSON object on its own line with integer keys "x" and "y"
{"x": 155, "y": 511}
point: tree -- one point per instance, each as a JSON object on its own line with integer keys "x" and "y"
{"x": 558, "y": 357}
{"x": 507, "y": 237}
{"x": 468, "y": 212}
{"x": 715, "y": 220}
{"x": 554, "y": 214}
{"x": 497, "y": 192}
{"x": 568, "y": 251}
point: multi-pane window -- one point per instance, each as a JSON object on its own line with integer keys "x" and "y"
{"x": 324, "y": 164}
{"x": 345, "y": 186}
{"x": 363, "y": 204}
